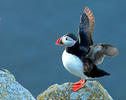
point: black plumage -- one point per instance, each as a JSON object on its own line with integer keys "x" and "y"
{"x": 90, "y": 69}
{"x": 82, "y": 46}
{"x": 90, "y": 54}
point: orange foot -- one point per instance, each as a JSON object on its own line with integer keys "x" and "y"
{"x": 79, "y": 82}
{"x": 78, "y": 85}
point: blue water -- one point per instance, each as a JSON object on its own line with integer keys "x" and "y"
{"x": 29, "y": 29}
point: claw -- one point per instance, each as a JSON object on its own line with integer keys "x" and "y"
{"x": 78, "y": 85}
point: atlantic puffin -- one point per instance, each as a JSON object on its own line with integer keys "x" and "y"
{"x": 81, "y": 56}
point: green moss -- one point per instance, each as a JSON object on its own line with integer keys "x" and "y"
{"x": 92, "y": 91}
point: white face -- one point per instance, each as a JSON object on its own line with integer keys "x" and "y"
{"x": 68, "y": 41}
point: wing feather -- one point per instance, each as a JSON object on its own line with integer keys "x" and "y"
{"x": 86, "y": 27}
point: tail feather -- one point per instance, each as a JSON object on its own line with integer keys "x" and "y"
{"x": 101, "y": 72}
{"x": 91, "y": 70}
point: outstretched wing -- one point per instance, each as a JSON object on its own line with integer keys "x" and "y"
{"x": 86, "y": 28}
{"x": 97, "y": 52}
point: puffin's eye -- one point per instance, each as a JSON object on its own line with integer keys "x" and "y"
{"x": 66, "y": 39}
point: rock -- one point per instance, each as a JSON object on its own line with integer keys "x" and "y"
{"x": 92, "y": 90}
{"x": 10, "y": 89}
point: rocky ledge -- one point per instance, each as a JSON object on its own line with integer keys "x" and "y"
{"x": 10, "y": 89}
{"x": 91, "y": 91}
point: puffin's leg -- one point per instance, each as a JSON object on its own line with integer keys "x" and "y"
{"x": 78, "y": 86}
{"x": 79, "y": 82}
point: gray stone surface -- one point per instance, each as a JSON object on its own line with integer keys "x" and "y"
{"x": 92, "y": 90}
{"x": 10, "y": 89}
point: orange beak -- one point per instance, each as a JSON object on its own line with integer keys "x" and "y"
{"x": 59, "y": 42}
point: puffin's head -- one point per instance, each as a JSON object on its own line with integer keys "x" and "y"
{"x": 67, "y": 40}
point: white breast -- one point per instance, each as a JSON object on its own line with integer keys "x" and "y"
{"x": 73, "y": 64}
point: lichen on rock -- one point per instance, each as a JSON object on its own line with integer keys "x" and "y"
{"x": 10, "y": 89}
{"x": 92, "y": 90}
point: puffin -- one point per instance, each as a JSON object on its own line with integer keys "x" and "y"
{"x": 81, "y": 56}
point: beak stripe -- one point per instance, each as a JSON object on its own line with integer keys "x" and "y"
{"x": 58, "y": 41}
